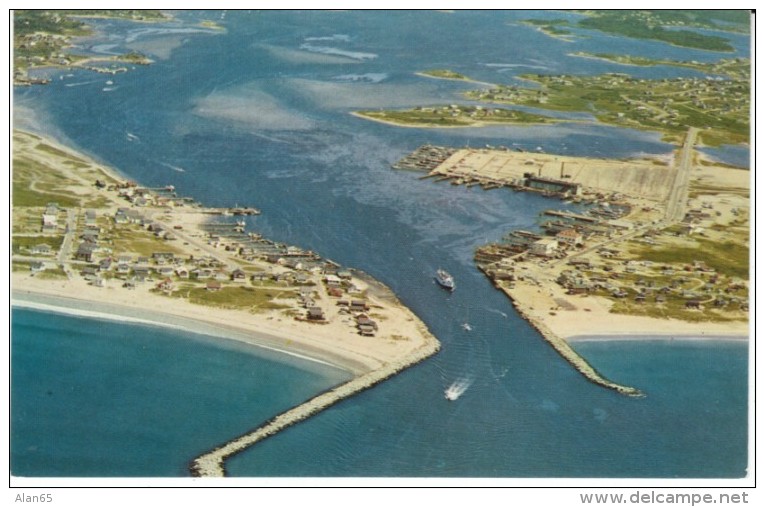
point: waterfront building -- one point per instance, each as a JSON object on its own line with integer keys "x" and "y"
{"x": 545, "y": 247}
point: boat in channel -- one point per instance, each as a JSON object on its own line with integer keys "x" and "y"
{"x": 454, "y": 391}
{"x": 445, "y": 280}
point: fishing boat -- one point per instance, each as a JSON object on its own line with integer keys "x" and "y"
{"x": 466, "y": 326}
{"x": 445, "y": 280}
{"x": 454, "y": 391}
{"x": 451, "y": 393}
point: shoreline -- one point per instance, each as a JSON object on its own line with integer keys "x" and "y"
{"x": 337, "y": 343}
{"x": 261, "y": 341}
{"x": 477, "y": 124}
{"x": 465, "y": 80}
{"x": 55, "y": 140}
{"x": 258, "y": 330}
{"x": 345, "y": 337}
{"x": 656, "y": 337}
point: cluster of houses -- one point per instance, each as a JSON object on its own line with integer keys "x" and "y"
{"x": 359, "y": 308}
{"x": 338, "y": 285}
{"x": 520, "y": 242}
{"x": 142, "y": 197}
{"x": 35, "y": 49}
{"x": 565, "y": 233}
{"x": 292, "y": 266}
{"x": 582, "y": 279}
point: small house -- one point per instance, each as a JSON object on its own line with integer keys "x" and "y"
{"x": 315, "y": 313}
{"x": 570, "y": 237}
{"x": 141, "y": 272}
{"x": 85, "y": 252}
{"x": 41, "y": 249}
{"x": 358, "y": 305}
{"x": 36, "y": 267}
{"x": 165, "y": 285}
{"x": 90, "y": 217}
{"x": 366, "y": 330}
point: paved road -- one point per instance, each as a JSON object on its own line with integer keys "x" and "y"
{"x": 203, "y": 246}
{"x": 69, "y": 239}
{"x": 678, "y": 195}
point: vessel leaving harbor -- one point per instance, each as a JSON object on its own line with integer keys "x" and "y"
{"x": 445, "y": 280}
{"x": 454, "y": 391}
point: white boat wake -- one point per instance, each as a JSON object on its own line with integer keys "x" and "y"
{"x": 457, "y": 389}
{"x": 174, "y": 167}
{"x": 497, "y": 311}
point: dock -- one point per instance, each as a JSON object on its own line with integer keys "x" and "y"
{"x": 425, "y": 158}
{"x": 232, "y": 211}
{"x": 571, "y": 216}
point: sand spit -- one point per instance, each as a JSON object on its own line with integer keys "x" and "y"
{"x": 148, "y": 256}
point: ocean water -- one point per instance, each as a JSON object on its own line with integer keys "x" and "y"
{"x": 258, "y": 116}
{"x": 97, "y": 398}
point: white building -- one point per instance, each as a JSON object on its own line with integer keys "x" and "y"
{"x": 545, "y": 247}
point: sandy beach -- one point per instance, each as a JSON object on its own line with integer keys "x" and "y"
{"x": 334, "y": 340}
{"x": 575, "y": 318}
{"x": 336, "y": 343}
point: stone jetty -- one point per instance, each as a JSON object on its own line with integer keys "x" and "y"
{"x": 562, "y": 347}
{"x": 212, "y": 463}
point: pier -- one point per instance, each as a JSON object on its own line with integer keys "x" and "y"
{"x": 212, "y": 464}
{"x": 425, "y": 158}
{"x": 549, "y": 174}
{"x": 232, "y": 211}
{"x": 572, "y": 216}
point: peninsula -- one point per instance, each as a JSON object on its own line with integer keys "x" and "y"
{"x": 86, "y": 239}
{"x": 43, "y": 38}
{"x": 455, "y": 115}
{"x": 658, "y": 248}
{"x": 661, "y": 247}
{"x": 669, "y": 26}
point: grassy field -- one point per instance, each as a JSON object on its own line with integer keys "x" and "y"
{"x": 457, "y": 116}
{"x": 651, "y": 25}
{"x": 730, "y": 258}
{"x": 21, "y": 244}
{"x": 720, "y": 108}
{"x": 444, "y": 74}
{"x": 34, "y": 186}
{"x": 675, "y": 309}
{"x": 240, "y": 298}
{"x": 52, "y": 274}
{"x": 550, "y": 26}
{"x": 135, "y": 239}
{"x": 38, "y": 177}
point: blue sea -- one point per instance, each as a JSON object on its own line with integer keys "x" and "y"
{"x": 258, "y": 115}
